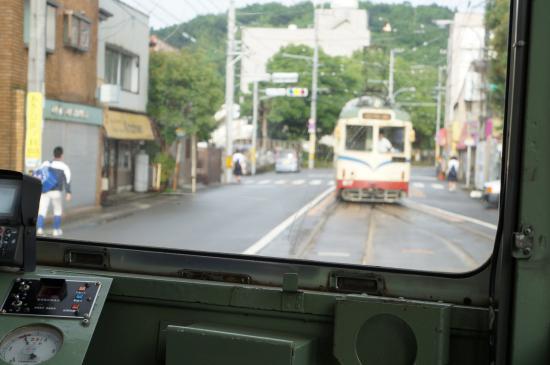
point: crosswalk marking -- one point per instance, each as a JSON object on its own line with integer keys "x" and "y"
{"x": 438, "y": 186}
{"x": 418, "y": 185}
{"x": 297, "y": 182}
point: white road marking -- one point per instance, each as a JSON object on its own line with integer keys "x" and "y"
{"x": 249, "y": 182}
{"x": 280, "y": 182}
{"x": 315, "y": 182}
{"x": 437, "y": 186}
{"x": 333, "y": 254}
{"x": 441, "y": 212}
{"x": 264, "y": 182}
{"x": 298, "y": 182}
{"x": 265, "y": 240}
{"x": 331, "y": 183}
{"x": 418, "y": 185}
{"x": 423, "y": 178}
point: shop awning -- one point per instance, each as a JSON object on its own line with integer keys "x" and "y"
{"x": 128, "y": 126}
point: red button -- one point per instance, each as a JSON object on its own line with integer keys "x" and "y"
{"x": 75, "y": 306}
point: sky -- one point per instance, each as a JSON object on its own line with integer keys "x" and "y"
{"x": 163, "y": 13}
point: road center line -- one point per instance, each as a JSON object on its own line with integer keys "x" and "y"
{"x": 438, "y": 212}
{"x": 270, "y": 236}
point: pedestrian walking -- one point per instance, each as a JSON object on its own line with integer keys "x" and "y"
{"x": 440, "y": 169}
{"x": 56, "y": 178}
{"x": 452, "y": 173}
{"x": 238, "y": 162}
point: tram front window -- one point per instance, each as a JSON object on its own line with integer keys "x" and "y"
{"x": 359, "y": 138}
{"x": 145, "y": 143}
{"x": 391, "y": 140}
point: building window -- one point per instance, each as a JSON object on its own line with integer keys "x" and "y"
{"x": 122, "y": 68}
{"x": 51, "y": 13}
{"x": 77, "y": 31}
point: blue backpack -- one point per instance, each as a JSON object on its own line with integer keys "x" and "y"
{"x": 47, "y": 177}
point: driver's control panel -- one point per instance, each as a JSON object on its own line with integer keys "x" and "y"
{"x": 8, "y": 242}
{"x": 51, "y": 297}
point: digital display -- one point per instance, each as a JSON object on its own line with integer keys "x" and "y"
{"x": 8, "y": 195}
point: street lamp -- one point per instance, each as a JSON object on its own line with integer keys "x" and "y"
{"x": 393, "y": 51}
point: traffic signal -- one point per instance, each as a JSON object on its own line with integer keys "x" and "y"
{"x": 297, "y": 92}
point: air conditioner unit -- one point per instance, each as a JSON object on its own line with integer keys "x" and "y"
{"x": 109, "y": 94}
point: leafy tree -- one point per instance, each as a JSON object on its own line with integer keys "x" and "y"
{"x": 497, "y": 23}
{"x": 185, "y": 91}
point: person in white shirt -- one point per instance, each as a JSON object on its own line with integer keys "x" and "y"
{"x": 452, "y": 172}
{"x": 238, "y": 165}
{"x": 384, "y": 144}
{"x": 56, "y": 178}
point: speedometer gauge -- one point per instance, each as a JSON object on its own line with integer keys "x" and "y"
{"x": 30, "y": 345}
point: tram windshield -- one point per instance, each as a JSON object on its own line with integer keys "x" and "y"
{"x": 359, "y": 138}
{"x": 391, "y": 140}
{"x": 151, "y": 126}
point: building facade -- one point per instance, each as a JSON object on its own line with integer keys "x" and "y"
{"x": 123, "y": 79}
{"x": 72, "y": 118}
{"x": 342, "y": 30}
{"x": 465, "y": 45}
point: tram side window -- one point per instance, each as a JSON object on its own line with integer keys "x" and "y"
{"x": 359, "y": 138}
{"x": 391, "y": 140}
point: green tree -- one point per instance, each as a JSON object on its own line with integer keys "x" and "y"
{"x": 497, "y": 23}
{"x": 185, "y": 90}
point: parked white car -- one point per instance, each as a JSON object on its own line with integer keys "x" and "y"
{"x": 287, "y": 161}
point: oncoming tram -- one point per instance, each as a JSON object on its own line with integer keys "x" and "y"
{"x": 372, "y": 151}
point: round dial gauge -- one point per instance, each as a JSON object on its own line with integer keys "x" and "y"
{"x": 30, "y": 345}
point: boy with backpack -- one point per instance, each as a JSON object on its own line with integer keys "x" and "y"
{"x": 452, "y": 173}
{"x": 56, "y": 177}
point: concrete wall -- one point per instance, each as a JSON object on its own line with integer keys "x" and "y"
{"x": 128, "y": 29}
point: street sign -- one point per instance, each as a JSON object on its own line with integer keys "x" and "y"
{"x": 297, "y": 92}
{"x": 275, "y": 91}
{"x": 284, "y": 77}
{"x": 34, "y": 124}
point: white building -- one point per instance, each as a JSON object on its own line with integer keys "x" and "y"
{"x": 123, "y": 81}
{"x": 343, "y": 29}
{"x": 466, "y": 44}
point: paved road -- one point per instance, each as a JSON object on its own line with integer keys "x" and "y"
{"x": 227, "y": 218}
{"x": 297, "y": 216}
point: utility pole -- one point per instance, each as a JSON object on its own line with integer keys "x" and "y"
{"x": 438, "y": 111}
{"x": 35, "y": 84}
{"x": 390, "y": 78}
{"x": 229, "y": 89}
{"x": 255, "y": 103}
{"x": 312, "y": 125}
